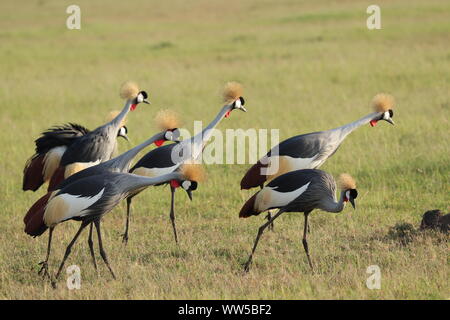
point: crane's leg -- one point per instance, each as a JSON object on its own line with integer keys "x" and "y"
{"x": 260, "y": 232}
{"x": 268, "y": 217}
{"x": 172, "y": 213}
{"x": 100, "y": 245}
{"x": 69, "y": 247}
{"x": 91, "y": 245}
{"x": 305, "y": 242}
{"x": 44, "y": 264}
{"x": 127, "y": 222}
{"x": 269, "y": 214}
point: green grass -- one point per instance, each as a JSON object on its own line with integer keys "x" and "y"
{"x": 306, "y": 66}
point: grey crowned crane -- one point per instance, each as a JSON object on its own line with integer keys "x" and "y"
{"x": 299, "y": 191}
{"x": 168, "y": 158}
{"x": 87, "y": 150}
{"x": 90, "y": 198}
{"x": 311, "y": 150}
{"x": 49, "y": 148}
{"x": 34, "y": 225}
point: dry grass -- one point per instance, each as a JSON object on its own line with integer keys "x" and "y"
{"x": 305, "y": 66}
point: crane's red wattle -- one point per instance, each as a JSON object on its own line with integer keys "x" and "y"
{"x": 373, "y": 123}
{"x": 159, "y": 143}
{"x": 227, "y": 114}
{"x": 133, "y": 107}
{"x": 174, "y": 184}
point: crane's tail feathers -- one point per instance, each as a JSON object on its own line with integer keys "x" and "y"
{"x": 34, "y": 219}
{"x": 33, "y": 176}
{"x": 57, "y": 178}
{"x": 248, "y": 209}
{"x": 253, "y": 178}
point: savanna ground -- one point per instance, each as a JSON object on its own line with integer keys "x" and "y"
{"x": 306, "y": 66}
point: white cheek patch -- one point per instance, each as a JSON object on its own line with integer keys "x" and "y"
{"x": 238, "y": 103}
{"x": 186, "y": 185}
{"x": 386, "y": 115}
{"x": 347, "y": 194}
{"x": 140, "y": 98}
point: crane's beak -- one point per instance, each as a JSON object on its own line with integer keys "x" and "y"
{"x": 189, "y": 193}
{"x": 125, "y": 137}
{"x": 390, "y": 121}
{"x": 243, "y": 109}
{"x": 352, "y": 201}
{"x": 146, "y": 101}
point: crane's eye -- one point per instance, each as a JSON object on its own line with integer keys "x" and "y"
{"x": 354, "y": 193}
{"x": 391, "y": 113}
{"x": 242, "y": 100}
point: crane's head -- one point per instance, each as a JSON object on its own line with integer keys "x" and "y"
{"x": 232, "y": 96}
{"x": 348, "y": 188}
{"x": 191, "y": 175}
{"x": 168, "y": 121}
{"x": 130, "y": 91}
{"x": 123, "y": 131}
{"x": 383, "y": 104}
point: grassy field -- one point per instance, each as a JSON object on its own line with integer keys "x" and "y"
{"x": 306, "y": 66}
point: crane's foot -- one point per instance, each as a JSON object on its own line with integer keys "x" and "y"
{"x": 247, "y": 265}
{"x": 44, "y": 270}
{"x": 125, "y": 238}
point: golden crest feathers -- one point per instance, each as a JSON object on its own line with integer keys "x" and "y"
{"x": 382, "y": 102}
{"x": 193, "y": 172}
{"x": 346, "y": 182}
{"x": 232, "y": 92}
{"x": 129, "y": 90}
{"x": 167, "y": 119}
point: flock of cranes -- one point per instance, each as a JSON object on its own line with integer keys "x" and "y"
{"x": 86, "y": 181}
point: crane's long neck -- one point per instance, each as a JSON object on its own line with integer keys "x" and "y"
{"x": 135, "y": 182}
{"x": 122, "y": 162}
{"x": 331, "y": 205}
{"x": 117, "y": 122}
{"x": 349, "y": 128}
{"x": 199, "y": 140}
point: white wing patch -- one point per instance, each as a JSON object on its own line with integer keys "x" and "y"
{"x": 270, "y": 198}
{"x": 279, "y": 165}
{"x": 51, "y": 161}
{"x": 66, "y": 206}
{"x": 78, "y": 166}
{"x": 154, "y": 172}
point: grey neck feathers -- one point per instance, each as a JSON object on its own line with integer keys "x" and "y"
{"x": 331, "y": 205}
{"x": 122, "y": 162}
{"x": 200, "y": 139}
{"x": 117, "y": 121}
{"x": 135, "y": 182}
{"x": 348, "y": 128}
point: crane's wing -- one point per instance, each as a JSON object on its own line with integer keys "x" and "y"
{"x": 300, "y": 152}
{"x": 159, "y": 161}
{"x": 279, "y": 192}
{"x": 50, "y": 147}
